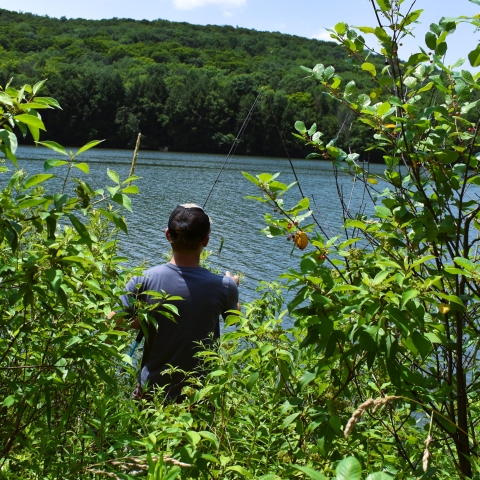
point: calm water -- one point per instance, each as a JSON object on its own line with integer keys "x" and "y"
{"x": 172, "y": 178}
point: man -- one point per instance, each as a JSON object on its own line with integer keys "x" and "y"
{"x": 205, "y": 297}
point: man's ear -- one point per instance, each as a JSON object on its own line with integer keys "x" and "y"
{"x": 206, "y": 240}
{"x": 167, "y": 235}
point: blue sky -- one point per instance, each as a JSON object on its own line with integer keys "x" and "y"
{"x": 306, "y": 18}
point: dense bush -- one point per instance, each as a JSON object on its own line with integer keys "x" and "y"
{"x": 377, "y": 376}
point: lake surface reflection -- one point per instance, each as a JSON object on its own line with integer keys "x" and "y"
{"x": 172, "y": 178}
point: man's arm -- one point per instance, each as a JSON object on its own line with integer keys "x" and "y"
{"x": 121, "y": 322}
{"x": 235, "y": 279}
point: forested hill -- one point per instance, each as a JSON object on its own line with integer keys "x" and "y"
{"x": 185, "y": 87}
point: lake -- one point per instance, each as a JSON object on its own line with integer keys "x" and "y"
{"x": 171, "y": 178}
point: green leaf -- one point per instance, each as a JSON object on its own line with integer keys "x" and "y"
{"x": 464, "y": 263}
{"x": 382, "y": 212}
{"x": 426, "y": 88}
{"x": 349, "y": 469}
{"x": 384, "y": 5}
{"x": 193, "y": 437}
{"x": 441, "y": 49}
{"x": 367, "y": 29}
{"x": 364, "y": 100}
{"x": 336, "y": 424}
{"x": 38, "y": 86}
{"x": 48, "y": 101}
{"x": 412, "y": 17}
{"x": 6, "y": 99}
{"x": 418, "y": 58}
{"x": 288, "y": 420}
{"x": 300, "y": 127}
{"x": 370, "y": 68}
{"x": 466, "y": 108}
{"x": 336, "y": 83}
{"x": 251, "y": 178}
{"x": 132, "y": 189}
{"x": 31, "y": 202}
{"x": 87, "y": 146}
{"x": 350, "y": 88}
{"x": 54, "y": 146}
{"x": 210, "y": 437}
{"x": 424, "y": 346}
{"x": 431, "y": 40}
{"x": 251, "y": 380}
{"x": 114, "y": 176}
{"x": 410, "y": 82}
{"x": 239, "y": 469}
{"x": 450, "y": 298}
{"x": 31, "y": 120}
{"x": 35, "y": 132}
{"x": 123, "y": 200}
{"x": 36, "y": 179}
{"x": 77, "y": 259}
{"x": 82, "y": 166}
{"x": 458, "y": 63}
{"x": 340, "y": 28}
{"x": 379, "y": 476}
{"x": 422, "y": 260}
{"x": 52, "y": 163}
{"x": 457, "y": 271}
{"x": 355, "y": 224}
{"x": 313, "y": 474}
{"x": 474, "y": 57}
{"x": 10, "y": 140}
{"x": 383, "y": 109}
{"x": 328, "y": 73}
{"x": 344, "y": 288}
{"x": 80, "y": 227}
{"x": 305, "y": 379}
{"x": 409, "y": 295}
{"x": 9, "y": 401}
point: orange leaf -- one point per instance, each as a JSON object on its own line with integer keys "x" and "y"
{"x": 301, "y": 240}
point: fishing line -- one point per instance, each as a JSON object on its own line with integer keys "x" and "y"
{"x": 293, "y": 168}
{"x": 232, "y": 151}
{"x": 234, "y": 146}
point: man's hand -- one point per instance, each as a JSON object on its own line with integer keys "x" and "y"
{"x": 120, "y": 322}
{"x": 235, "y": 277}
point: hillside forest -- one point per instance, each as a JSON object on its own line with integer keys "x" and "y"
{"x": 184, "y": 87}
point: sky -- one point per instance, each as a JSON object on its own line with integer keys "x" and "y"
{"x": 306, "y": 18}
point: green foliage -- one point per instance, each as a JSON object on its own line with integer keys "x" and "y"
{"x": 185, "y": 87}
{"x": 392, "y": 304}
{"x": 60, "y": 278}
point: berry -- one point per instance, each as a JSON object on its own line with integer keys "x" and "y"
{"x": 457, "y": 113}
{"x": 289, "y": 238}
{"x": 470, "y": 129}
{"x": 295, "y": 223}
{"x": 275, "y": 209}
{"x": 289, "y": 226}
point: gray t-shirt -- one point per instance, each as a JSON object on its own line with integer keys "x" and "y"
{"x": 205, "y": 296}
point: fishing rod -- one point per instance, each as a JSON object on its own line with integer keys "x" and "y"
{"x": 234, "y": 146}
{"x": 232, "y": 151}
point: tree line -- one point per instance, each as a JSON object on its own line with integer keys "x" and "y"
{"x": 184, "y": 87}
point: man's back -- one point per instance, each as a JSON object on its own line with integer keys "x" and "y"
{"x": 205, "y": 297}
